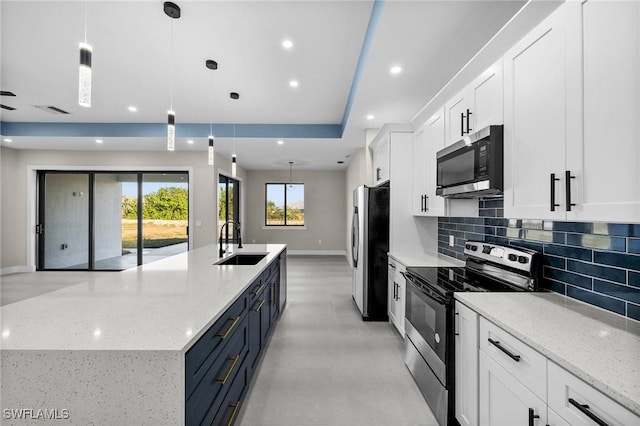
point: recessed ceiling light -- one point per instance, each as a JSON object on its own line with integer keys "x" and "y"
{"x": 287, "y": 44}
{"x": 396, "y": 69}
{"x": 280, "y": 142}
{"x": 294, "y": 83}
{"x": 190, "y": 141}
{"x": 8, "y": 140}
{"x": 98, "y": 140}
{"x": 132, "y": 108}
{"x": 370, "y": 117}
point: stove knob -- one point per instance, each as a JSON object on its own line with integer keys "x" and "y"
{"x": 468, "y": 246}
{"x": 513, "y": 257}
{"x": 474, "y": 248}
{"x": 523, "y": 259}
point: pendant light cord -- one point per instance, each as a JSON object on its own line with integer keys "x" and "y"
{"x": 212, "y": 102}
{"x": 171, "y": 68}
{"x": 85, "y": 22}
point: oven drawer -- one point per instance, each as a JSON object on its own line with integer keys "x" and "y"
{"x": 520, "y": 360}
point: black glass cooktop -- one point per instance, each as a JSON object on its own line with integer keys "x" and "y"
{"x": 449, "y": 280}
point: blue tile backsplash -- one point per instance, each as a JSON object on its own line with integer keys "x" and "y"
{"x": 595, "y": 262}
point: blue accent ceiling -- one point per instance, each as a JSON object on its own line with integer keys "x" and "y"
{"x": 160, "y": 129}
{"x": 311, "y": 131}
{"x": 595, "y": 262}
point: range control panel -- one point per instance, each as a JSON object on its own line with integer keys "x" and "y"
{"x": 513, "y": 257}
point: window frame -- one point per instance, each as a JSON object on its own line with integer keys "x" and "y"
{"x": 284, "y": 185}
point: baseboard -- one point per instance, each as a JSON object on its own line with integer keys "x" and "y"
{"x": 316, "y": 253}
{"x": 17, "y": 270}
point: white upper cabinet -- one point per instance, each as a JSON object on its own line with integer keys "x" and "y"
{"x": 572, "y": 115}
{"x": 428, "y": 140}
{"x": 605, "y": 162}
{"x": 381, "y": 160}
{"x": 478, "y": 105}
{"x": 534, "y": 121}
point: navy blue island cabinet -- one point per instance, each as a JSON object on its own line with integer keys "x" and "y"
{"x": 220, "y": 365}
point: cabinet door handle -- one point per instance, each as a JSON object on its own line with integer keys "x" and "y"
{"x": 234, "y": 361}
{"x": 233, "y": 324}
{"x": 497, "y": 344}
{"x": 532, "y": 416}
{"x": 426, "y": 203}
{"x": 273, "y": 294}
{"x": 392, "y": 265}
{"x": 395, "y": 290}
{"x": 568, "y": 177}
{"x": 378, "y": 170}
{"x": 235, "y": 407}
{"x": 462, "y": 124}
{"x": 553, "y": 192}
{"x": 584, "y": 409}
{"x": 454, "y": 324}
{"x": 257, "y": 308}
{"x": 468, "y": 121}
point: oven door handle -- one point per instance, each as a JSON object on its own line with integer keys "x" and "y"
{"x": 426, "y": 289}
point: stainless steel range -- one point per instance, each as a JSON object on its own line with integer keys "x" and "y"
{"x": 429, "y": 323}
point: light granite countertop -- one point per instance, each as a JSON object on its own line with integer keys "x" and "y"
{"x": 600, "y": 347}
{"x": 426, "y": 259}
{"x": 163, "y": 305}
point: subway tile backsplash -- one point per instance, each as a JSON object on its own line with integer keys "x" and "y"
{"x": 595, "y": 262}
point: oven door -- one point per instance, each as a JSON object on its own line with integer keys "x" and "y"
{"x": 426, "y": 324}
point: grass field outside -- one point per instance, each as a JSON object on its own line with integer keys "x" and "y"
{"x": 156, "y": 232}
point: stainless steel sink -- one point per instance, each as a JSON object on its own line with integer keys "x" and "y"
{"x": 242, "y": 259}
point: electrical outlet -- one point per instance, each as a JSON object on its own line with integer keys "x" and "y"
{"x": 452, "y": 241}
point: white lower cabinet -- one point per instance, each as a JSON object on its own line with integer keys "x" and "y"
{"x": 554, "y": 419}
{"x": 504, "y": 400}
{"x": 580, "y": 404}
{"x": 396, "y": 293}
{"x": 466, "y": 365}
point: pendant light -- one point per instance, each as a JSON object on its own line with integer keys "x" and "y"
{"x": 290, "y": 186}
{"x": 172, "y": 11}
{"x": 212, "y": 65}
{"x": 234, "y": 158}
{"x": 84, "y": 77}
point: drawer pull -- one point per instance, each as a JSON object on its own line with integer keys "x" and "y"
{"x": 258, "y": 291}
{"x": 234, "y": 360}
{"x": 532, "y": 417}
{"x": 233, "y": 324}
{"x": 584, "y": 409}
{"x": 273, "y": 294}
{"x": 257, "y": 308}
{"x": 235, "y": 407}
{"x": 497, "y": 344}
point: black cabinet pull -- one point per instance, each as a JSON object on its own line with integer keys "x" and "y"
{"x": 497, "y": 344}
{"x": 567, "y": 178}
{"x": 469, "y": 129}
{"x": 426, "y": 203}
{"x": 378, "y": 170}
{"x": 454, "y": 325}
{"x": 553, "y": 192}
{"x": 532, "y": 416}
{"x": 462, "y": 124}
{"x": 584, "y": 409}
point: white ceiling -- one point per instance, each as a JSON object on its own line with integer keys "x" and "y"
{"x": 131, "y": 41}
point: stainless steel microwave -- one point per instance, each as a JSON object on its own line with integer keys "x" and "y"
{"x": 472, "y": 167}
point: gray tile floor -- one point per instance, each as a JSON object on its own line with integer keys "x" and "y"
{"x": 325, "y": 366}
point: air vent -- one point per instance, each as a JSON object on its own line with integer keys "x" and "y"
{"x": 5, "y": 93}
{"x": 51, "y": 109}
{"x": 7, "y": 107}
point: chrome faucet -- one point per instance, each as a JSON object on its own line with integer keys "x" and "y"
{"x": 236, "y": 227}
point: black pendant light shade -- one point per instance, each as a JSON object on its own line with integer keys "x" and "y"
{"x": 171, "y": 9}
{"x": 234, "y": 95}
{"x": 211, "y": 64}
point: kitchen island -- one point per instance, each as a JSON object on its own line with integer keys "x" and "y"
{"x": 117, "y": 351}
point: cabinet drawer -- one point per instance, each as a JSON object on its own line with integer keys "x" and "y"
{"x": 228, "y": 412}
{"x": 219, "y": 377}
{"x": 204, "y": 352}
{"x": 520, "y": 360}
{"x": 567, "y": 391}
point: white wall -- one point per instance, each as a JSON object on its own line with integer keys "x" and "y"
{"x": 324, "y": 206}
{"x": 18, "y": 191}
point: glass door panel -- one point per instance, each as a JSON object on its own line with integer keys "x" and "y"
{"x": 115, "y": 220}
{"x": 65, "y": 221}
{"x": 165, "y": 215}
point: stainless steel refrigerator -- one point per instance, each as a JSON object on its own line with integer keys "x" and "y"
{"x": 369, "y": 247}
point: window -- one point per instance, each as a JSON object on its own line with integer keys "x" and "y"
{"x": 284, "y": 204}
{"x": 228, "y": 205}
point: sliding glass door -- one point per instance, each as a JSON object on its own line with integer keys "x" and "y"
{"x": 110, "y": 220}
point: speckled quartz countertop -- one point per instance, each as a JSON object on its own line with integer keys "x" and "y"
{"x": 425, "y": 259}
{"x": 601, "y": 348}
{"x": 163, "y": 305}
